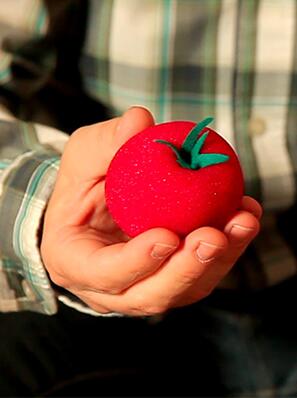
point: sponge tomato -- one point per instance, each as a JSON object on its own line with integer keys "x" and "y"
{"x": 176, "y": 175}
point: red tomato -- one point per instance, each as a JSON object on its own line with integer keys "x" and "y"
{"x": 175, "y": 176}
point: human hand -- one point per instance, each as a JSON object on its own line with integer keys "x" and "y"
{"x": 87, "y": 254}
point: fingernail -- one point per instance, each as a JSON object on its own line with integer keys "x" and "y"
{"x": 239, "y": 232}
{"x": 125, "y": 123}
{"x": 161, "y": 250}
{"x": 207, "y": 251}
{"x": 143, "y": 107}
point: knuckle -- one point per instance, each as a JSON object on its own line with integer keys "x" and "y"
{"x": 109, "y": 290}
{"x": 114, "y": 284}
{"x": 109, "y": 286}
{"x": 76, "y": 139}
{"x": 107, "y": 281}
{"x": 142, "y": 307}
{"x": 187, "y": 278}
{"x": 78, "y": 133}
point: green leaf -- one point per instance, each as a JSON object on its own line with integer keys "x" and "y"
{"x": 208, "y": 159}
{"x": 189, "y": 155}
{"x": 180, "y": 160}
{"x": 199, "y": 144}
{"x": 191, "y": 138}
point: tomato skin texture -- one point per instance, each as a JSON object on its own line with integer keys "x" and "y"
{"x": 146, "y": 187}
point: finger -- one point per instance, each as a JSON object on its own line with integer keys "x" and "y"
{"x": 95, "y": 145}
{"x": 114, "y": 268}
{"x": 192, "y": 272}
{"x": 201, "y": 250}
{"x": 160, "y": 290}
{"x": 133, "y": 121}
{"x": 251, "y": 205}
{"x": 240, "y": 231}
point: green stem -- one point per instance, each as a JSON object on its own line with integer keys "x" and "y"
{"x": 190, "y": 156}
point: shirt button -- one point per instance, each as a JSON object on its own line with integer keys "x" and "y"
{"x": 256, "y": 126}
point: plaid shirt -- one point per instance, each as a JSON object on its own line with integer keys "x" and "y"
{"x": 235, "y": 60}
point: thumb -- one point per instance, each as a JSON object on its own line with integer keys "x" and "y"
{"x": 90, "y": 149}
{"x": 133, "y": 121}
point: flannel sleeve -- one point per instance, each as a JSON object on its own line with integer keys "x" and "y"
{"x": 29, "y": 160}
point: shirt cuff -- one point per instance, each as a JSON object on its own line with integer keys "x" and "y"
{"x": 25, "y": 188}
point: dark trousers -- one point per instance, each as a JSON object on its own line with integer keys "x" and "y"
{"x": 226, "y": 345}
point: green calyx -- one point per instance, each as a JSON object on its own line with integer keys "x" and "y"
{"x": 189, "y": 156}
